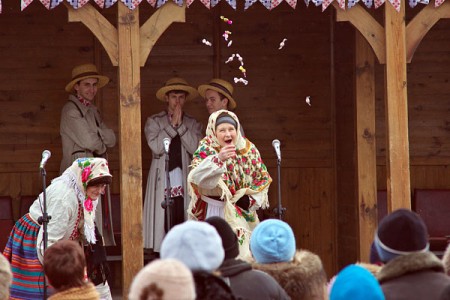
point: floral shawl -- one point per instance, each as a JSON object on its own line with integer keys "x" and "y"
{"x": 245, "y": 174}
{"x": 78, "y": 176}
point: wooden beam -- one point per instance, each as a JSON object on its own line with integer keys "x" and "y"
{"x": 130, "y": 143}
{"x": 419, "y": 26}
{"x": 397, "y": 155}
{"x": 105, "y": 32}
{"x": 366, "y": 145}
{"x": 372, "y": 31}
{"x": 155, "y": 26}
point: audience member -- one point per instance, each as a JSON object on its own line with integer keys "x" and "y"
{"x": 65, "y": 268}
{"x": 164, "y": 279}
{"x": 410, "y": 271}
{"x": 356, "y": 283}
{"x": 199, "y": 247}
{"x": 446, "y": 260}
{"x": 300, "y": 273}
{"x": 5, "y": 277}
{"x": 243, "y": 280}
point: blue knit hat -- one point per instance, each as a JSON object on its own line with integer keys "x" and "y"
{"x": 272, "y": 241}
{"x": 196, "y": 244}
{"x": 356, "y": 283}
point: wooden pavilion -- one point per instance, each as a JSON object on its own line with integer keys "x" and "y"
{"x": 377, "y": 80}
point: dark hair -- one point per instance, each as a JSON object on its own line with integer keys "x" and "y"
{"x": 153, "y": 292}
{"x": 177, "y": 92}
{"x": 211, "y": 287}
{"x": 100, "y": 180}
{"x": 64, "y": 265}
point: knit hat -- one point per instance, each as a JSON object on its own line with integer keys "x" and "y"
{"x": 169, "y": 276}
{"x": 355, "y": 282}
{"x": 272, "y": 241}
{"x": 399, "y": 233}
{"x": 225, "y": 118}
{"x": 229, "y": 238}
{"x": 197, "y": 244}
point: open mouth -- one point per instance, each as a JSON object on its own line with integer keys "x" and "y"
{"x": 228, "y": 141}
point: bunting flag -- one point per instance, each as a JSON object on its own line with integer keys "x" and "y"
{"x": 188, "y": 2}
{"x": 378, "y": 3}
{"x": 100, "y": 3}
{"x": 293, "y": 3}
{"x": 46, "y": 3}
{"x": 438, "y": 3}
{"x": 306, "y": 2}
{"x": 76, "y": 4}
{"x": 317, "y": 2}
{"x": 159, "y": 3}
{"x": 213, "y": 2}
{"x": 178, "y": 2}
{"x": 109, "y": 3}
{"x": 341, "y": 3}
{"x": 395, "y": 4}
{"x": 55, "y": 3}
{"x": 206, "y": 3}
{"x": 266, "y": 3}
{"x": 368, "y": 3}
{"x": 132, "y": 4}
{"x": 274, "y": 3}
{"x": 413, "y": 3}
{"x": 351, "y": 3}
{"x": 248, "y": 3}
{"x": 232, "y": 3}
{"x": 325, "y": 4}
{"x": 24, "y": 4}
{"x": 0, "y": 6}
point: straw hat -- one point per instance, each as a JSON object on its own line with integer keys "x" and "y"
{"x": 83, "y": 72}
{"x": 221, "y": 86}
{"x": 176, "y": 84}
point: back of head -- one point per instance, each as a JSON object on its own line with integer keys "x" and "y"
{"x": 356, "y": 283}
{"x": 64, "y": 265}
{"x": 5, "y": 277}
{"x": 272, "y": 241}
{"x": 211, "y": 287}
{"x": 163, "y": 279}
{"x": 401, "y": 232}
{"x": 229, "y": 238}
{"x": 196, "y": 244}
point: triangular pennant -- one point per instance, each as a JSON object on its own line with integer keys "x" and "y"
{"x": 188, "y": 2}
{"x": 351, "y": 3}
{"x": 248, "y": 3}
{"x": 413, "y": 3}
{"x": 274, "y": 3}
{"x": 424, "y": 2}
{"x": 178, "y": 2}
{"x": 232, "y": 3}
{"x": 378, "y": 3}
{"x": 266, "y": 3}
{"x": 109, "y": 3}
{"x": 46, "y": 3}
{"x": 293, "y": 3}
{"x": 395, "y": 4}
{"x": 159, "y": 3}
{"x": 341, "y": 3}
{"x": 82, "y": 3}
{"x": 206, "y": 3}
{"x": 317, "y": 2}
{"x": 325, "y": 4}
{"x": 54, "y": 3}
{"x": 306, "y": 2}
{"x": 438, "y": 3}
{"x": 368, "y": 3}
{"x": 0, "y": 6}
{"x": 100, "y": 3}
{"x": 24, "y": 4}
{"x": 214, "y": 2}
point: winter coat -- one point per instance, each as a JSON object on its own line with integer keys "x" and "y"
{"x": 303, "y": 278}
{"x": 415, "y": 276}
{"x": 156, "y": 129}
{"x": 247, "y": 283}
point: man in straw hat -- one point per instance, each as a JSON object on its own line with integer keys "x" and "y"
{"x": 84, "y": 134}
{"x": 184, "y": 133}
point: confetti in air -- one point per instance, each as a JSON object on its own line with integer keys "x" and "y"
{"x": 282, "y": 44}
{"x": 242, "y": 80}
{"x": 229, "y": 43}
{"x": 308, "y": 100}
{"x": 226, "y": 34}
{"x": 241, "y": 60}
{"x": 206, "y": 42}
{"x": 230, "y": 59}
{"x": 242, "y": 69}
{"x": 226, "y": 20}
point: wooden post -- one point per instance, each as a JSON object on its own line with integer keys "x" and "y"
{"x": 397, "y": 154}
{"x": 366, "y": 145}
{"x": 130, "y": 143}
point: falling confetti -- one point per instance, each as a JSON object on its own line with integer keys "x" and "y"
{"x": 206, "y": 42}
{"x": 241, "y": 60}
{"x": 308, "y": 100}
{"x": 231, "y": 58}
{"x": 242, "y": 80}
{"x": 282, "y": 44}
{"x": 226, "y": 34}
{"x": 242, "y": 69}
{"x": 226, "y": 20}
{"x": 229, "y": 43}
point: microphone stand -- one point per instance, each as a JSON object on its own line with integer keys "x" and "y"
{"x": 44, "y": 219}
{"x": 167, "y": 203}
{"x": 279, "y": 210}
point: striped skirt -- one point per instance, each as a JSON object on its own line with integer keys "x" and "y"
{"x": 28, "y": 273}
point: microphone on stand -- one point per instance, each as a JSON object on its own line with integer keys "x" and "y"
{"x": 45, "y": 156}
{"x": 276, "y": 146}
{"x": 166, "y": 143}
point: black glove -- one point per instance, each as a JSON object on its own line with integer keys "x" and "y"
{"x": 244, "y": 202}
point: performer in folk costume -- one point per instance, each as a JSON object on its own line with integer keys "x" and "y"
{"x": 228, "y": 178}
{"x": 71, "y": 202}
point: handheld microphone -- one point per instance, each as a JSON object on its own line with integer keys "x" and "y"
{"x": 166, "y": 142}
{"x": 276, "y": 146}
{"x": 45, "y": 156}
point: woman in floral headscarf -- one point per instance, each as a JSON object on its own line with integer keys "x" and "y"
{"x": 228, "y": 178}
{"x": 71, "y": 202}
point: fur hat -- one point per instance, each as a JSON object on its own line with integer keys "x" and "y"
{"x": 167, "y": 276}
{"x": 399, "y": 233}
{"x": 272, "y": 241}
{"x": 5, "y": 277}
{"x": 229, "y": 238}
{"x": 197, "y": 244}
{"x": 86, "y": 71}
{"x": 356, "y": 283}
{"x": 222, "y": 87}
{"x": 177, "y": 84}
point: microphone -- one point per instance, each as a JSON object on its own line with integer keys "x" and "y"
{"x": 166, "y": 142}
{"x": 276, "y": 146}
{"x": 45, "y": 156}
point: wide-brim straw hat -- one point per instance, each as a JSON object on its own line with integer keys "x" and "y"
{"x": 177, "y": 84}
{"x": 221, "y": 86}
{"x": 86, "y": 71}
